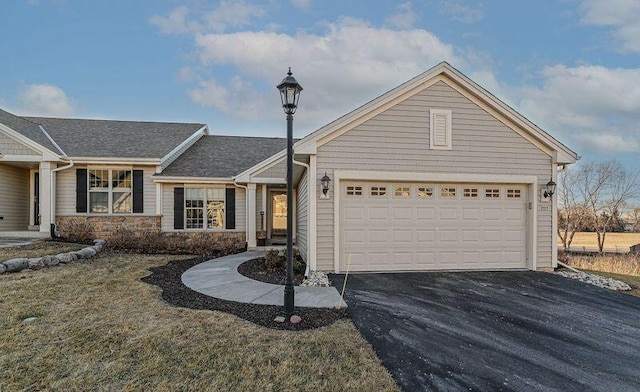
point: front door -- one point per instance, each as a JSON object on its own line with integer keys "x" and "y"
{"x": 278, "y": 214}
{"x": 36, "y": 199}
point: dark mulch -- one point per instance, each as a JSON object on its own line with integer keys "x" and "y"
{"x": 167, "y": 277}
{"x": 256, "y": 269}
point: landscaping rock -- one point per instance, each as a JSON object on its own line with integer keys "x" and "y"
{"x": 2, "y": 268}
{"x": 15, "y": 265}
{"x": 36, "y": 263}
{"x": 78, "y": 255}
{"x": 97, "y": 248}
{"x": 100, "y": 242}
{"x": 64, "y": 257}
{"x": 279, "y": 319}
{"x": 87, "y": 252}
{"x": 596, "y": 280}
{"x": 50, "y": 261}
{"x": 295, "y": 319}
{"x": 316, "y": 279}
{"x": 29, "y": 320}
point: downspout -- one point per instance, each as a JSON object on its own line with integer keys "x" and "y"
{"x": 246, "y": 207}
{"x": 307, "y": 269}
{"x": 54, "y": 235}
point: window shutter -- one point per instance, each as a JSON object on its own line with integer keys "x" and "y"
{"x": 178, "y": 208}
{"x": 230, "y": 208}
{"x": 138, "y": 196}
{"x": 81, "y": 190}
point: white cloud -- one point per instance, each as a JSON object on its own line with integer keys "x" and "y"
{"x": 302, "y": 4}
{"x": 592, "y": 107}
{"x": 622, "y": 16}
{"x": 228, "y": 14}
{"x": 347, "y": 65}
{"x": 405, "y": 18}
{"x": 461, "y": 10}
{"x": 44, "y": 100}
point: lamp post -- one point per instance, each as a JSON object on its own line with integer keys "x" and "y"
{"x": 289, "y": 94}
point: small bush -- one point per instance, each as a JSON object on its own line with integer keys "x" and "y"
{"x": 76, "y": 230}
{"x": 151, "y": 242}
{"x": 274, "y": 261}
{"x": 123, "y": 238}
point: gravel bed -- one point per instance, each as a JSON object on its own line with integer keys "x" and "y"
{"x": 596, "y": 280}
{"x": 167, "y": 277}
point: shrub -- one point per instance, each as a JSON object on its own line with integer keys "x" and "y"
{"x": 151, "y": 242}
{"x": 123, "y": 238}
{"x": 274, "y": 261}
{"x": 76, "y": 230}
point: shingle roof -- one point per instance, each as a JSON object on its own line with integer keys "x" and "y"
{"x": 28, "y": 129}
{"x": 223, "y": 156}
{"x": 115, "y": 139}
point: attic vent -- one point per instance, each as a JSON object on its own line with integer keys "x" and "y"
{"x": 440, "y": 135}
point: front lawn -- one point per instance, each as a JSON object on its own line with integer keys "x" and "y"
{"x": 38, "y": 249}
{"x": 99, "y": 327}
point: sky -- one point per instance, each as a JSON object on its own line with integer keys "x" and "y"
{"x": 572, "y": 67}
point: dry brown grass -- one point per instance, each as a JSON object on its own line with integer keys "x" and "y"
{"x": 38, "y": 249}
{"x": 624, "y": 264}
{"x": 100, "y": 327}
{"x": 614, "y": 242}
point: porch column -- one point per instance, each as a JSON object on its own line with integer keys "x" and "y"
{"x": 46, "y": 196}
{"x": 264, "y": 207}
{"x": 251, "y": 215}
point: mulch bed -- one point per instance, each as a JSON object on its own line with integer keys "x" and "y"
{"x": 257, "y": 270}
{"x": 174, "y": 292}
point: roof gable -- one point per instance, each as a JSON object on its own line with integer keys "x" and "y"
{"x": 450, "y": 75}
{"x": 29, "y": 130}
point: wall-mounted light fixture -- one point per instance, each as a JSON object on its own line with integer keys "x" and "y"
{"x": 551, "y": 189}
{"x": 324, "y": 181}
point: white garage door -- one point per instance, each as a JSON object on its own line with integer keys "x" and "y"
{"x": 408, "y": 227}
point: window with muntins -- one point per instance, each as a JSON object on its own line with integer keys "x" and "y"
{"x": 514, "y": 193}
{"x": 440, "y": 129}
{"x": 110, "y": 191}
{"x": 402, "y": 191}
{"x": 492, "y": 193}
{"x": 354, "y": 190}
{"x": 378, "y": 191}
{"x": 448, "y": 191}
{"x": 425, "y": 192}
{"x": 470, "y": 192}
{"x": 204, "y": 205}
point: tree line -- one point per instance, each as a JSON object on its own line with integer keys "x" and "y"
{"x": 599, "y": 197}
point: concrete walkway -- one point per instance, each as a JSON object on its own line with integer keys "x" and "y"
{"x": 9, "y": 242}
{"x": 219, "y": 278}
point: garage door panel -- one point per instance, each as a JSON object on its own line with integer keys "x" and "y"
{"x": 464, "y": 231}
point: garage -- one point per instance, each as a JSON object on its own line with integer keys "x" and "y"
{"x": 387, "y": 226}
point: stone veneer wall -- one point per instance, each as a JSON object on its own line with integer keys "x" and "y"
{"x": 104, "y": 225}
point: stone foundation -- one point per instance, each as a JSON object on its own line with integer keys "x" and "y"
{"x": 103, "y": 226}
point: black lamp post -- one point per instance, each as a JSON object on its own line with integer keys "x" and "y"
{"x": 289, "y": 94}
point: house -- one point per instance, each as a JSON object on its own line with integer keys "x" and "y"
{"x": 436, "y": 174}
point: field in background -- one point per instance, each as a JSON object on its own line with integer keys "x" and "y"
{"x": 625, "y": 264}
{"x": 614, "y": 242}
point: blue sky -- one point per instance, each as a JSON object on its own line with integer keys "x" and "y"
{"x": 570, "y": 66}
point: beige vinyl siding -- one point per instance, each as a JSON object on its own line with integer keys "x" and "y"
{"x": 9, "y": 146}
{"x": 167, "y": 206}
{"x": 66, "y": 189}
{"x": 302, "y": 217}
{"x": 14, "y": 198}
{"x": 279, "y": 170}
{"x": 397, "y": 140}
{"x": 181, "y": 151}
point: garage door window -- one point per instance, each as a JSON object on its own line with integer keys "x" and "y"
{"x": 425, "y": 192}
{"x": 448, "y": 192}
{"x": 470, "y": 192}
{"x": 378, "y": 191}
{"x": 354, "y": 191}
{"x": 514, "y": 193}
{"x": 402, "y": 192}
{"x": 492, "y": 193}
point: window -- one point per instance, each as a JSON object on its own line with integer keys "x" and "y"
{"x": 378, "y": 191}
{"x": 110, "y": 191}
{"x": 354, "y": 190}
{"x": 204, "y": 205}
{"x": 448, "y": 191}
{"x": 470, "y": 192}
{"x": 514, "y": 193}
{"x": 492, "y": 193}
{"x": 440, "y": 129}
{"x": 425, "y": 192}
{"x": 402, "y": 191}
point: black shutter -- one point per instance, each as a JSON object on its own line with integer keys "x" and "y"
{"x": 81, "y": 190}
{"x": 230, "y": 208}
{"x": 138, "y": 197}
{"x": 178, "y": 208}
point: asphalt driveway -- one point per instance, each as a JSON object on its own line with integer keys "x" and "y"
{"x": 497, "y": 331}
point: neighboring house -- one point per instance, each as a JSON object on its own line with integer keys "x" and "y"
{"x": 435, "y": 174}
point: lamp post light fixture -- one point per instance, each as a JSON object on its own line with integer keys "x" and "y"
{"x": 324, "y": 181}
{"x": 551, "y": 189}
{"x": 289, "y": 94}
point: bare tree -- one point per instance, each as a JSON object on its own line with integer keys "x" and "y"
{"x": 572, "y": 211}
{"x": 606, "y": 188}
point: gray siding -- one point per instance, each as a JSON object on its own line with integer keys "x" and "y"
{"x": 302, "y": 211}
{"x": 167, "y": 206}
{"x": 279, "y": 170}
{"x": 14, "y": 198}
{"x": 398, "y": 140}
{"x": 9, "y": 146}
{"x": 66, "y": 190}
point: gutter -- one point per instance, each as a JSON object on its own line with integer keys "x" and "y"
{"x": 53, "y": 197}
